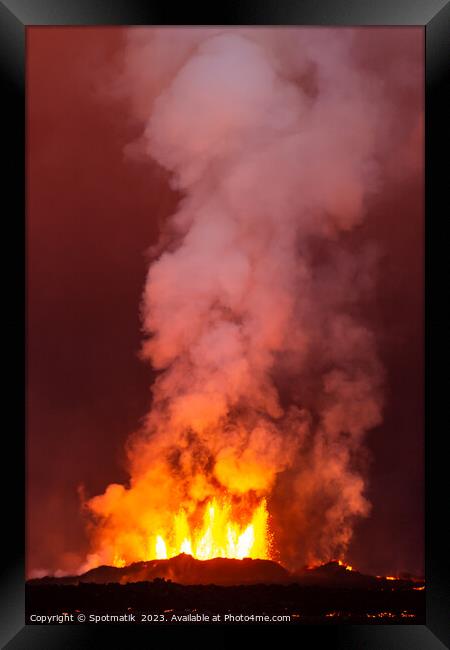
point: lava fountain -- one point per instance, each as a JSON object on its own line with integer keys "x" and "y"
{"x": 217, "y": 536}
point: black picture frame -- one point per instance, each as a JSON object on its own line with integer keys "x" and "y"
{"x": 15, "y": 17}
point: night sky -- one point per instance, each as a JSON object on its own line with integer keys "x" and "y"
{"x": 92, "y": 214}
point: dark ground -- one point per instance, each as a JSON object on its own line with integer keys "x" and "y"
{"x": 305, "y": 604}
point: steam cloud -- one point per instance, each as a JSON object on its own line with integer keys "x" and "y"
{"x": 268, "y": 379}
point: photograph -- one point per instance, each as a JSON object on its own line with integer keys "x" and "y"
{"x": 225, "y": 242}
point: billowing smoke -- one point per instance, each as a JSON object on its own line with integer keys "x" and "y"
{"x": 268, "y": 379}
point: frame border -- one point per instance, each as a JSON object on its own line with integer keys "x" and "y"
{"x": 434, "y": 16}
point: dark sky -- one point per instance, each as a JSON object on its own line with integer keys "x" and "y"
{"x": 92, "y": 214}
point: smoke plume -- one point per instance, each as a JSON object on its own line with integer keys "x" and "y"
{"x": 268, "y": 379}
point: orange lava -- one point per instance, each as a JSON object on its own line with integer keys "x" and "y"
{"x": 218, "y": 533}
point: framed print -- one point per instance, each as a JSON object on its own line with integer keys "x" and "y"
{"x": 224, "y": 226}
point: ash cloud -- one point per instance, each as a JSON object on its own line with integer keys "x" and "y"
{"x": 269, "y": 379}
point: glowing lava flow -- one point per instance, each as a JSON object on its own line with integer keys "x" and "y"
{"x": 218, "y": 535}
{"x": 348, "y": 567}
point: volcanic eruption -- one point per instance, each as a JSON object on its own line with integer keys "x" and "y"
{"x": 267, "y": 375}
